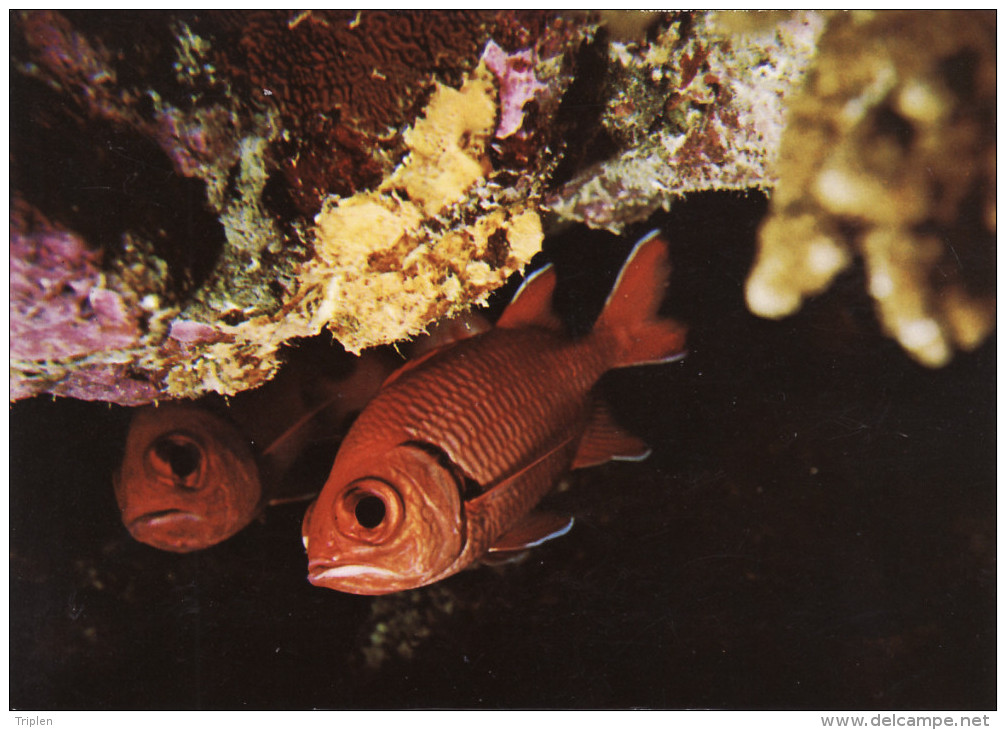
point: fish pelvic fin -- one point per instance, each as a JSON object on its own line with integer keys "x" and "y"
{"x": 531, "y": 306}
{"x": 630, "y": 321}
{"x": 534, "y": 529}
{"x": 604, "y": 440}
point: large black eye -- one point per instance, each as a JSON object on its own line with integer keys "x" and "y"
{"x": 178, "y": 458}
{"x": 183, "y": 458}
{"x": 370, "y": 511}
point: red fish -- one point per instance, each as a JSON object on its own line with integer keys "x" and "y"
{"x": 192, "y": 477}
{"x": 450, "y": 458}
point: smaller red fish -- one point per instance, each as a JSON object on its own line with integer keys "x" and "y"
{"x": 188, "y": 480}
{"x": 450, "y": 458}
{"x": 192, "y": 476}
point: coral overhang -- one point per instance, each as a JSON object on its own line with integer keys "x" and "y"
{"x": 192, "y": 190}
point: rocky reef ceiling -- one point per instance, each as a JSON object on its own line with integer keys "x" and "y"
{"x": 192, "y": 190}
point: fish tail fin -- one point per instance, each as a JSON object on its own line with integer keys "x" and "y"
{"x": 630, "y": 323}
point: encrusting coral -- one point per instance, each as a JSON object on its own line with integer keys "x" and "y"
{"x": 412, "y": 245}
{"x": 252, "y": 148}
{"x": 889, "y": 155}
{"x": 697, "y": 107}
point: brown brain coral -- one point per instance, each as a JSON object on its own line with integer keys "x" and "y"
{"x": 344, "y": 82}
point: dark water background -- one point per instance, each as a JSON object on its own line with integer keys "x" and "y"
{"x": 815, "y": 529}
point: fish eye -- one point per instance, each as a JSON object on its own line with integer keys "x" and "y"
{"x": 369, "y": 510}
{"x": 177, "y": 457}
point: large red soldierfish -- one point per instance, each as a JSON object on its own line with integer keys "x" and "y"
{"x": 193, "y": 476}
{"x": 449, "y": 460}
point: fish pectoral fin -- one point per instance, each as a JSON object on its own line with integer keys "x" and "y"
{"x": 605, "y": 440}
{"x": 534, "y": 529}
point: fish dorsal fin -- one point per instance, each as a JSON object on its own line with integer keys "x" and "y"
{"x": 605, "y": 440}
{"x": 278, "y": 501}
{"x": 446, "y": 332}
{"x": 534, "y": 529}
{"x": 299, "y": 424}
{"x": 531, "y": 306}
{"x": 442, "y": 335}
{"x": 412, "y": 365}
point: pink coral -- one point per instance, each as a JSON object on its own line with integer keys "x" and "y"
{"x": 59, "y": 304}
{"x": 518, "y": 84}
{"x": 189, "y": 332}
{"x": 105, "y": 382}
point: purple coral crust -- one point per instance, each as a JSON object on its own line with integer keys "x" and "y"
{"x": 518, "y": 84}
{"x": 105, "y": 382}
{"x": 59, "y": 304}
{"x": 189, "y": 332}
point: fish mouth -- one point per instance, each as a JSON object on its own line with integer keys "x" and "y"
{"x": 165, "y": 518}
{"x": 322, "y": 573}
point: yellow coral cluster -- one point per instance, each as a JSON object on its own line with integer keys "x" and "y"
{"x": 391, "y": 260}
{"x": 889, "y": 155}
